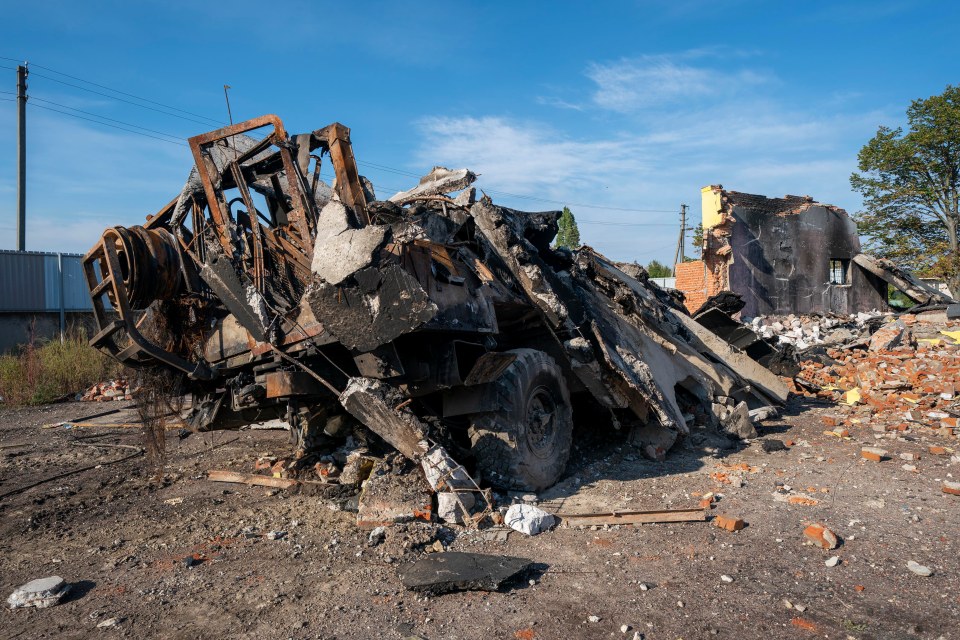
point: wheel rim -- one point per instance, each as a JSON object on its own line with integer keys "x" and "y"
{"x": 541, "y": 421}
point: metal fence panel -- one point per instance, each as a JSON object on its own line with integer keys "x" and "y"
{"x": 51, "y": 283}
{"x": 22, "y": 281}
{"x": 30, "y": 282}
{"x": 76, "y": 297}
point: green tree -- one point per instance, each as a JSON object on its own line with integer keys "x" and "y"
{"x": 568, "y": 235}
{"x": 657, "y": 269}
{"x": 696, "y": 240}
{"x": 911, "y": 193}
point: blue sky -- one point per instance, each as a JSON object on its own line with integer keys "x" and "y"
{"x": 623, "y": 110}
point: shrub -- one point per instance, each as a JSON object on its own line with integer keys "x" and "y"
{"x": 40, "y": 373}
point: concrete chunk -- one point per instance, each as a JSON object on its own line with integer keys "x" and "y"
{"x": 439, "y": 181}
{"x": 40, "y": 593}
{"x": 528, "y": 519}
{"x": 738, "y": 423}
{"x": 339, "y": 250}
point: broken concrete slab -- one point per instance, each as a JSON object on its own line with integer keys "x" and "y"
{"x": 40, "y": 593}
{"x": 453, "y": 506}
{"x": 340, "y": 250}
{"x": 439, "y": 181}
{"x": 914, "y": 288}
{"x": 387, "y": 498}
{"x": 376, "y": 404}
{"x": 452, "y": 571}
{"x": 442, "y": 471}
{"x": 375, "y": 307}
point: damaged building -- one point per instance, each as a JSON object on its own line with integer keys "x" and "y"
{"x": 782, "y": 255}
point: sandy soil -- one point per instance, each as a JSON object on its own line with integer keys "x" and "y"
{"x": 122, "y": 540}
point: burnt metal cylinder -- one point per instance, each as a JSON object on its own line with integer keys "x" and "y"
{"x": 150, "y": 264}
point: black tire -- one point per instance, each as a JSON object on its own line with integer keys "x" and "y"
{"x": 524, "y": 443}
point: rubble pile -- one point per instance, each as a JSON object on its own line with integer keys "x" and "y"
{"x": 436, "y": 320}
{"x": 806, "y": 331}
{"x": 112, "y": 390}
{"x": 904, "y": 378}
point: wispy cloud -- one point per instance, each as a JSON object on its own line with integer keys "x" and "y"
{"x": 559, "y": 103}
{"x": 523, "y": 156}
{"x": 698, "y": 126}
{"x": 632, "y": 84}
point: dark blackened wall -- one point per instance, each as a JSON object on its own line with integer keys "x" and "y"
{"x": 781, "y": 260}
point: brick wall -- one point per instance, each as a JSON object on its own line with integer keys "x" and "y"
{"x": 695, "y": 282}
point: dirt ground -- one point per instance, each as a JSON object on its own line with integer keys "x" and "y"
{"x": 122, "y": 540}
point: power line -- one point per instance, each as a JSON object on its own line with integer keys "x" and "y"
{"x": 105, "y": 95}
{"x": 131, "y": 95}
{"x": 370, "y": 164}
{"x": 524, "y": 197}
{"x": 97, "y": 115}
{"x": 106, "y": 124}
{"x": 626, "y": 224}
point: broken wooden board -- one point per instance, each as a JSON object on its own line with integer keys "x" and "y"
{"x": 632, "y": 517}
{"x": 252, "y": 479}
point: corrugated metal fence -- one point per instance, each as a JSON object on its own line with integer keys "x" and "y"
{"x": 31, "y": 281}
{"x": 665, "y": 283}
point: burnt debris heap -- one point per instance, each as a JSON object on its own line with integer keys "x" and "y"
{"x": 442, "y": 323}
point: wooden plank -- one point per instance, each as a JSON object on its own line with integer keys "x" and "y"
{"x": 215, "y": 475}
{"x": 249, "y": 478}
{"x": 633, "y": 517}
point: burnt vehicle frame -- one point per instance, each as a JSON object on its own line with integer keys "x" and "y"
{"x": 423, "y": 317}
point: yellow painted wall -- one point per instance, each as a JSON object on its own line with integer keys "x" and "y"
{"x": 710, "y": 203}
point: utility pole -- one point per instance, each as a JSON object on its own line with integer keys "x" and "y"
{"x": 22, "y": 157}
{"x": 678, "y": 256}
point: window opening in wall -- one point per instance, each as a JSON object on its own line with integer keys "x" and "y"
{"x": 839, "y": 271}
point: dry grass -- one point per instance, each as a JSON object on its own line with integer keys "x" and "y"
{"x": 45, "y": 372}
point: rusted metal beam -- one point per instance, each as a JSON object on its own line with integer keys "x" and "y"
{"x": 282, "y": 384}
{"x": 218, "y": 207}
{"x": 337, "y": 139}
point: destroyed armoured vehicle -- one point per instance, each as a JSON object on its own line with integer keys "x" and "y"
{"x": 430, "y": 319}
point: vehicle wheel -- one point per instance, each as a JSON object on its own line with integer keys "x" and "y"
{"x": 524, "y": 443}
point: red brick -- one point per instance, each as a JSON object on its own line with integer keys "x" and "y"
{"x": 873, "y": 453}
{"x": 953, "y": 488}
{"x": 728, "y": 524}
{"x": 821, "y": 536}
{"x": 937, "y": 451}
